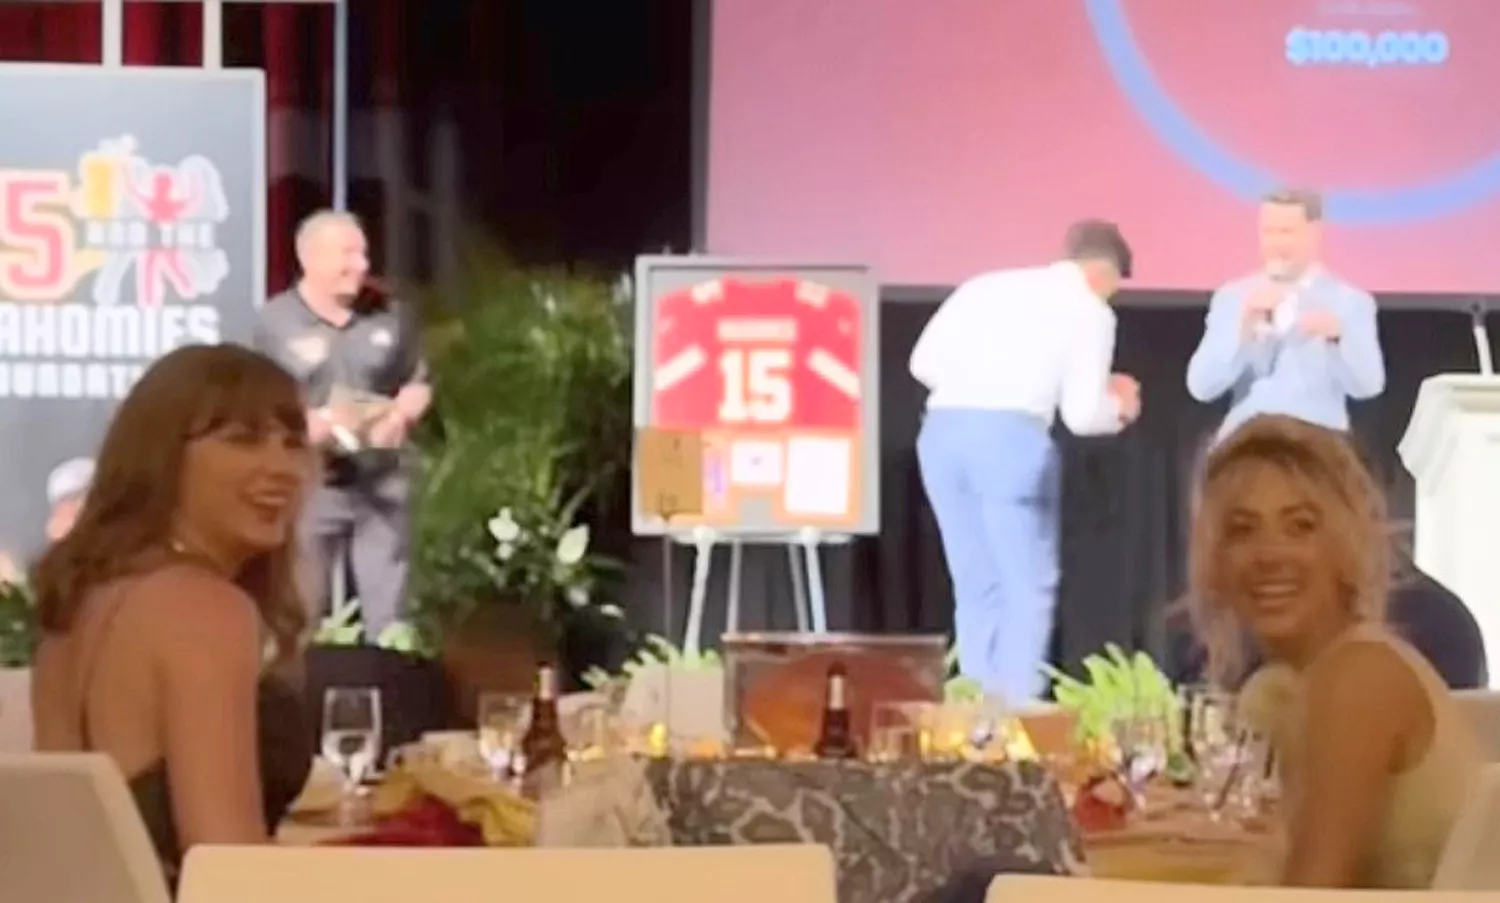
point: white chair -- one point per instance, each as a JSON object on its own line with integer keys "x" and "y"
{"x": 1469, "y": 859}
{"x": 15, "y": 710}
{"x": 748, "y": 874}
{"x": 1049, "y": 889}
{"x": 70, "y": 833}
{"x": 1482, "y": 709}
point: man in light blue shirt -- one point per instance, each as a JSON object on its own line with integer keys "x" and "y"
{"x": 1292, "y": 339}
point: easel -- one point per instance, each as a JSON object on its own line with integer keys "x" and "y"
{"x": 804, "y": 566}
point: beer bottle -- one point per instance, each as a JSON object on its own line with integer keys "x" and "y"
{"x": 543, "y": 744}
{"x": 836, "y": 740}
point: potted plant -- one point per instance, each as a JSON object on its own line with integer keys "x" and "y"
{"x": 521, "y": 459}
{"x": 18, "y": 636}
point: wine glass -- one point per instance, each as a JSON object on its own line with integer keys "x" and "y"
{"x": 1256, "y": 783}
{"x": 1143, "y": 742}
{"x": 1209, "y": 712}
{"x": 351, "y": 740}
{"x": 501, "y": 718}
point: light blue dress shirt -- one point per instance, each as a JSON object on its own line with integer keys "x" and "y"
{"x": 1281, "y": 370}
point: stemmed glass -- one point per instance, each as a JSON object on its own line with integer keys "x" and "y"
{"x": 1143, "y": 742}
{"x": 501, "y": 719}
{"x": 351, "y": 741}
{"x": 1256, "y": 783}
{"x": 1212, "y": 741}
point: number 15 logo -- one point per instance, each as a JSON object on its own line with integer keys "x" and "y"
{"x": 37, "y": 237}
{"x": 757, "y": 385}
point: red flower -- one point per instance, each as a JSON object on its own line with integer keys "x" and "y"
{"x": 428, "y": 822}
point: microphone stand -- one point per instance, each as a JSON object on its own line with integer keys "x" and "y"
{"x": 1478, "y": 313}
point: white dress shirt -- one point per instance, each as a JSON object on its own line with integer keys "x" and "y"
{"x": 1034, "y": 340}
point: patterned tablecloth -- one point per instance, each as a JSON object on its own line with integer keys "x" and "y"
{"x": 897, "y": 831}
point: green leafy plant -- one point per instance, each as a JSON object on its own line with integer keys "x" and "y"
{"x": 341, "y": 627}
{"x": 959, "y": 689}
{"x": 655, "y": 651}
{"x": 344, "y": 627}
{"x": 18, "y": 625}
{"x": 1120, "y": 685}
{"x": 528, "y": 441}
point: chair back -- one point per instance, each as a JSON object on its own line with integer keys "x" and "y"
{"x": 1040, "y": 889}
{"x": 70, "y": 833}
{"x": 15, "y": 710}
{"x": 748, "y": 874}
{"x": 1481, "y": 708}
{"x": 1469, "y": 859}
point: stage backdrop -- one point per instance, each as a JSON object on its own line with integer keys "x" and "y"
{"x": 132, "y": 221}
{"x": 933, "y": 147}
{"x": 1125, "y": 497}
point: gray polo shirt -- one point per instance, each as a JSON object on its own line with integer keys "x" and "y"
{"x": 377, "y": 352}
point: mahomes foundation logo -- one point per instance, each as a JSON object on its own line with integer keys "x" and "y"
{"x": 100, "y": 267}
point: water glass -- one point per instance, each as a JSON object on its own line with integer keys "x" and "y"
{"x": 897, "y": 731}
{"x": 1257, "y": 784}
{"x": 351, "y": 740}
{"x": 1142, "y": 741}
{"x": 501, "y": 720}
{"x": 1209, "y": 715}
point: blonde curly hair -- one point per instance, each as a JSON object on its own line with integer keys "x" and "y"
{"x": 1328, "y": 469}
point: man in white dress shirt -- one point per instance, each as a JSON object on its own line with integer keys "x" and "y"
{"x": 1005, "y": 354}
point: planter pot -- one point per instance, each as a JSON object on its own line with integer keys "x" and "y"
{"x": 494, "y": 650}
{"x": 412, "y": 691}
{"x": 15, "y": 710}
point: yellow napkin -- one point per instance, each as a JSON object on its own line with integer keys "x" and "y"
{"x": 1018, "y": 745}
{"x": 323, "y": 791}
{"x": 504, "y": 818}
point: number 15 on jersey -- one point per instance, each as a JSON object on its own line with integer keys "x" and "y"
{"x": 757, "y": 386}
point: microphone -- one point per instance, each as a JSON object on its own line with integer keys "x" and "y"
{"x": 1277, "y": 272}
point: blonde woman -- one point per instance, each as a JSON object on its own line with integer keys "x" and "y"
{"x": 1289, "y": 546}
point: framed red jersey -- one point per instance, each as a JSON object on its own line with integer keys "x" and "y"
{"x": 771, "y": 367}
{"x": 756, "y": 355}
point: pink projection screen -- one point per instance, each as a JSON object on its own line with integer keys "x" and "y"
{"x": 934, "y": 140}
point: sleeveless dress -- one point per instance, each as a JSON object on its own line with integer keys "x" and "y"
{"x": 285, "y": 753}
{"x": 1425, "y": 799}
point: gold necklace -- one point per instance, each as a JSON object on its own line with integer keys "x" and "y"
{"x": 178, "y": 547}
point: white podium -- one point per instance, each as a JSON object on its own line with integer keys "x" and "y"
{"x": 1452, "y": 448}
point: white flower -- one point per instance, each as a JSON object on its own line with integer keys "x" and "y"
{"x": 611, "y": 611}
{"x": 504, "y": 551}
{"x": 573, "y": 545}
{"x": 578, "y": 597}
{"x": 503, "y": 527}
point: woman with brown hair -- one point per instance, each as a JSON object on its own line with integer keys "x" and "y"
{"x": 159, "y": 607}
{"x": 1289, "y": 546}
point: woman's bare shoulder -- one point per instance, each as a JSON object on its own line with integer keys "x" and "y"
{"x": 1371, "y": 671}
{"x": 186, "y": 601}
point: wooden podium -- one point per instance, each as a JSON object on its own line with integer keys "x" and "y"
{"x": 1452, "y": 448}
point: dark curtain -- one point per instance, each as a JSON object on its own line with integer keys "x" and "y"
{"x": 1125, "y": 497}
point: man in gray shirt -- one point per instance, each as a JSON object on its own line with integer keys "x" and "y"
{"x": 357, "y": 353}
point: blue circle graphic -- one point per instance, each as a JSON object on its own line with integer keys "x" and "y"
{"x": 1428, "y": 199}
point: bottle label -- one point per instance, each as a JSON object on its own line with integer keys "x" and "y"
{"x": 836, "y": 701}
{"x": 546, "y": 683}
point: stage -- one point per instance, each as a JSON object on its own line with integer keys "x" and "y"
{"x": 1124, "y": 520}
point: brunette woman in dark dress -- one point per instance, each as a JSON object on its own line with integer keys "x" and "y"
{"x": 171, "y": 603}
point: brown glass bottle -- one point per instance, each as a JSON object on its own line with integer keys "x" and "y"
{"x": 543, "y": 744}
{"x": 836, "y": 739}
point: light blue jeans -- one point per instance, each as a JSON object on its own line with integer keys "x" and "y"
{"x": 993, "y": 480}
